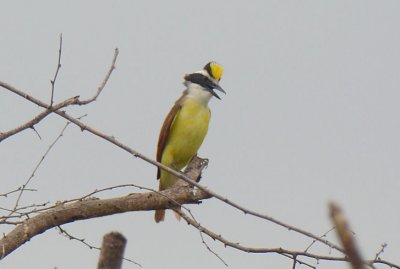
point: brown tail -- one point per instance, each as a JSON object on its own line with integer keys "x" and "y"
{"x": 160, "y": 215}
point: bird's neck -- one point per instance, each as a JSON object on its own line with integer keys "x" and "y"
{"x": 197, "y": 93}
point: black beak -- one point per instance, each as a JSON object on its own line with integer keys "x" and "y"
{"x": 211, "y": 86}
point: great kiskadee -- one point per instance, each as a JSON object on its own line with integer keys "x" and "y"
{"x": 186, "y": 124}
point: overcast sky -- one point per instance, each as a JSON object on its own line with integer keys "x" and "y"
{"x": 311, "y": 115}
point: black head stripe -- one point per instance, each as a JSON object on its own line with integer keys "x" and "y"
{"x": 200, "y": 79}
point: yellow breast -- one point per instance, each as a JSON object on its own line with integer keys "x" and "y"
{"x": 187, "y": 133}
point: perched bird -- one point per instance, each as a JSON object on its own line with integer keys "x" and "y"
{"x": 186, "y": 124}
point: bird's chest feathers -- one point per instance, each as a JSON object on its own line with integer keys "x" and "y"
{"x": 192, "y": 120}
{"x": 188, "y": 129}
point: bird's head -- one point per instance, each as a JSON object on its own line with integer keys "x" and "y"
{"x": 208, "y": 78}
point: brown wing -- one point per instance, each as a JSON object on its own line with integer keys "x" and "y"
{"x": 162, "y": 140}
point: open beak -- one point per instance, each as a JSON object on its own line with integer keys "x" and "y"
{"x": 205, "y": 82}
{"x": 216, "y": 86}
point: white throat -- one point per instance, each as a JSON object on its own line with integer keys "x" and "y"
{"x": 198, "y": 93}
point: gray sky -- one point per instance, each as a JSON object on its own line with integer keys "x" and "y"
{"x": 310, "y": 116}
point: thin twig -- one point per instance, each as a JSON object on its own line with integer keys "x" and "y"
{"x": 322, "y": 236}
{"x": 31, "y": 123}
{"x": 49, "y": 108}
{"x": 104, "y": 82}
{"x": 212, "y": 251}
{"x": 383, "y": 246}
{"x": 90, "y": 246}
{"x": 53, "y": 81}
{"x": 202, "y": 237}
{"x": 36, "y": 132}
{"x": 71, "y": 237}
{"x": 21, "y": 191}
{"x": 14, "y": 191}
{"x": 238, "y": 246}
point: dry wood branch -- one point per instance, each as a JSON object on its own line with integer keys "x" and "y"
{"x": 35, "y": 208}
{"x": 93, "y": 208}
{"x": 351, "y": 250}
{"x": 112, "y": 251}
{"x": 346, "y": 237}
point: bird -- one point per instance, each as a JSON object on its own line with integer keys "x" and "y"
{"x": 186, "y": 124}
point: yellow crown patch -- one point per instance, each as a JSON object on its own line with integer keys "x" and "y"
{"x": 216, "y": 70}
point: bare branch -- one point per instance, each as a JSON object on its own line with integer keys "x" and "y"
{"x": 18, "y": 213}
{"x": 39, "y": 117}
{"x": 383, "y": 246}
{"x": 71, "y": 237}
{"x": 179, "y": 174}
{"x": 83, "y": 241}
{"x": 93, "y": 208}
{"x": 112, "y": 251}
{"x": 170, "y": 197}
{"x": 238, "y": 246}
{"x": 23, "y": 187}
{"x": 53, "y": 81}
{"x": 294, "y": 262}
{"x": 104, "y": 82}
{"x": 49, "y": 108}
{"x": 346, "y": 237}
{"x": 36, "y": 132}
{"x": 322, "y": 236}
{"x": 185, "y": 178}
{"x": 6, "y": 194}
